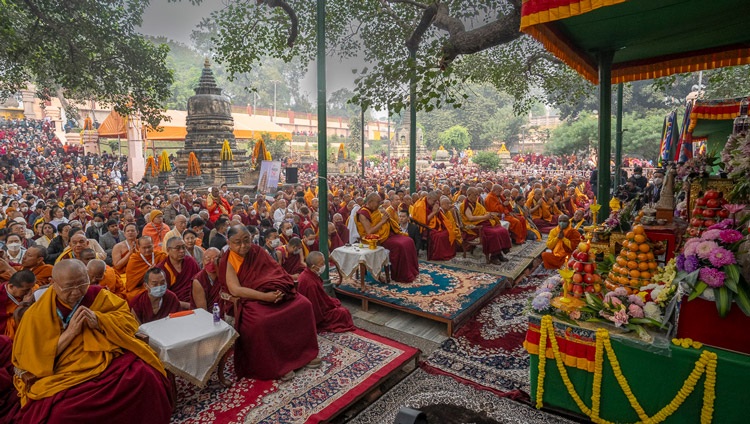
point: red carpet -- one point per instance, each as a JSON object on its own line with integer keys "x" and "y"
{"x": 353, "y": 363}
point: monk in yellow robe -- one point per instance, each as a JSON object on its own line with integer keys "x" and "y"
{"x": 123, "y": 250}
{"x": 138, "y": 264}
{"x": 102, "y": 274}
{"x": 33, "y": 260}
{"x": 484, "y": 226}
{"x": 562, "y": 241}
{"x": 14, "y": 294}
{"x": 77, "y": 347}
{"x": 442, "y": 236}
{"x": 494, "y": 203}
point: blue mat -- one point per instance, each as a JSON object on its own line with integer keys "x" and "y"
{"x": 439, "y": 290}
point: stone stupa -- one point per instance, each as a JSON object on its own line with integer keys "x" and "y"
{"x": 400, "y": 140}
{"x": 209, "y": 122}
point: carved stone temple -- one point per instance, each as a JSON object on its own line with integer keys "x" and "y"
{"x": 400, "y": 141}
{"x": 209, "y": 122}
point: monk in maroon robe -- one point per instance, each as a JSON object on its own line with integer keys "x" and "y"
{"x": 341, "y": 228}
{"x": 329, "y": 314}
{"x": 9, "y": 402}
{"x": 334, "y": 239}
{"x": 290, "y": 257}
{"x": 157, "y": 301}
{"x": 180, "y": 269}
{"x": 79, "y": 360}
{"x": 495, "y": 239}
{"x": 206, "y": 286}
{"x": 276, "y": 326}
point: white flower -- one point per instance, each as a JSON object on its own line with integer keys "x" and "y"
{"x": 653, "y": 311}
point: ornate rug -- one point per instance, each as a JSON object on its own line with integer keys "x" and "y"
{"x": 519, "y": 258}
{"x": 487, "y": 352}
{"x": 439, "y": 290}
{"x": 444, "y": 400}
{"x": 353, "y": 363}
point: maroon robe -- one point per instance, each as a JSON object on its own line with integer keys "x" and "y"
{"x": 181, "y": 284}
{"x": 329, "y": 314}
{"x": 334, "y": 241}
{"x": 403, "y": 254}
{"x": 495, "y": 239}
{"x": 141, "y": 306}
{"x": 10, "y": 403}
{"x": 128, "y": 391}
{"x": 343, "y": 231}
{"x": 211, "y": 289}
{"x": 291, "y": 263}
{"x": 275, "y": 338}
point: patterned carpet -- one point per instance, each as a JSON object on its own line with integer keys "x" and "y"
{"x": 445, "y": 400}
{"x": 439, "y": 290}
{"x": 519, "y": 258}
{"x": 487, "y": 351}
{"x": 353, "y": 363}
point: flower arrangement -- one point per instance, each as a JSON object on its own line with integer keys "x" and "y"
{"x": 710, "y": 262}
{"x": 623, "y": 310}
{"x": 540, "y": 301}
{"x": 697, "y": 166}
{"x": 621, "y": 220}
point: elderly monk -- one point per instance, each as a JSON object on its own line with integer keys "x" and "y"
{"x": 180, "y": 225}
{"x": 216, "y": 205}
{"x": 123, "y": 250}
{"x": 156, "y": 302}
{"x": 79, "y": 360}
{"x": 427, "y": 212}
{"x": 451, "y": 216}
{"x": 138, "y": 264}
{"x": 290, "y": 257}
{"x": 157, "y": 230}
{"x": 180, "y": 269}
{"x": 78, "y": 242}
{"x": 329, "y": 314}
{"x": 103, "y": 275}
{"x": 33, "y": 261}
{"x": 276, "y": 326}
{"x": 495, "y": 202}
{"x": 14, "y": 294}
{"x": 486, "y": 226}
{"x": 373, "y": 220}
{"x": 543, "y": 210}
{"x": 562, "y": 241}
{"x": 206, "y": 287}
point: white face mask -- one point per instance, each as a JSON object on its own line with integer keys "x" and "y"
{"x": 288, "y": 232}
{"x": 158, "y": 291}
{"x": 14, "y": 247}
{"x": 321, "y": 270}
{"x": 275, "y": 243}
{"x": 98, "y": 224}
{"x": 309, "y": 242}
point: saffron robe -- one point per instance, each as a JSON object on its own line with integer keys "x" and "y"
{"x": 181, "y": 283}
{"x": 403, "y": 253}
{"x": 135, "y": 271}
{"x": 157, "y": 235}
{"x": 442, "y": 234}
{"x": 113, "y": 283}
{"x": 329, "y": 314}
{"x": 42, "y": 272}
{"x": 217, "y": 208}
{"x": 7, "y": 307}
{"x": 560, "y": 248}
{"x": 517, "y": 224}
{"x": 142, "y": 309}
{"x": 494, "y": 237}
{"x": 211, "y": 289}
{"x": 105, "y": 376}
{"x": 545, "y": 218}
{"x": 275, "y": 338}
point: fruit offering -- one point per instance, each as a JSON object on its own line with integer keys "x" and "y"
{"x": 707, "y": 212}
{"x": 635, "y": 264}
{"x": 585, "y": 279}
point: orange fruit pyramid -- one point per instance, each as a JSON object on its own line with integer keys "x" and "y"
{"x": 635, "y": 263}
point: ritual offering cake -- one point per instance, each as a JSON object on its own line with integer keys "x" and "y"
{"x": 707, "y": 212}
{"x": 585, "y": 279}
{"x": 635, "y": 264}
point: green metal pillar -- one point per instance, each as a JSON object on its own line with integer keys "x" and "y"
{"x": 605, "y": 133}
{"x": 618, "y": 136}
{"x": 362, "y": 124}
{"x": 413, "y": 117}
{"x": 322, "y": 139}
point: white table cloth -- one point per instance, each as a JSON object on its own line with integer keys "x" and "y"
{"x": 190, "y": 346}
{"x": 348, "y": 259}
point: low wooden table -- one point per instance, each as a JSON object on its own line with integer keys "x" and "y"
{"x": 353, "y": 259}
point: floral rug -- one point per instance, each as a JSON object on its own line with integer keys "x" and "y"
{"x": 519, "y": 258}
{"x": 439, "y": 290}
{"x": 445, "y": 400}
{"x": 487, "y": 352}
{"x": 353, "y": 363}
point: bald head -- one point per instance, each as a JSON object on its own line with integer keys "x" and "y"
{"x": 314, "y": 258}
{"x": 67, "y": 269}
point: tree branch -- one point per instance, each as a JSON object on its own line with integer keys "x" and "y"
{"x": 411, "y": 2}
{"x": 293, "y": 19}
{"x": 428, "y": 16}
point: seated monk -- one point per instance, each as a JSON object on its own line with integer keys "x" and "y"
{"x": 33, "y": 261}
{"x": 276, "y": 326}
{"x": 290, "y": 257}
{"x": 100, "y": 274}
{"x": 9, "y": 402}
{"x": 334, "y": 239}
{"x": 180, "y": 269}
{"x": 309, "y": 242}
{"x": 138, "y": 264}
{"x": 562, "y": 241}
{"x": 206, "y": 287}
{"x": 494, "y": 238}
{"x": 329, "y": 314}
{"x": 341, "y": 229}
{"x": 495, "y": 202}
{"x": 543, "y": 210}
{"x": 451, "y": 216}
{"x": 17, "y": 292}
{"x": 156, "y": 302}
{"x": 78, "y": 242}
{"x": 78, "y": 358}
{"x": 427, "y": 213}
{"x": 123, "y": 250}
{"x": 372, "y": 219}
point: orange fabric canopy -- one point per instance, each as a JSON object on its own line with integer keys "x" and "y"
{"x": 246, "y": 127}
{"x": 113, "y": 126}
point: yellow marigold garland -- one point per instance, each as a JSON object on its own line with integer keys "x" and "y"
{"x": 705, "y": 364}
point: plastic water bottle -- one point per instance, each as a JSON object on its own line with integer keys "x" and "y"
{"x": 217, "y": 314}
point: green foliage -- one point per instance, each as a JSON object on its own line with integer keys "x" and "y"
{"x": 278, "y": 146}
{"x": 114, "y": 145}
{"x": 487, "y": 161}
{"x": 455, "y": 137}
{"x": 576, "y": 136}
{"x": 82, "y": 50}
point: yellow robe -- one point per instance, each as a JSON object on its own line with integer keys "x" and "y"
{"x": 384, "y": 232}
{"x": 437, "y": 222}
{"x": 87, "y": 356}
{"x": 478, "y": 210}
